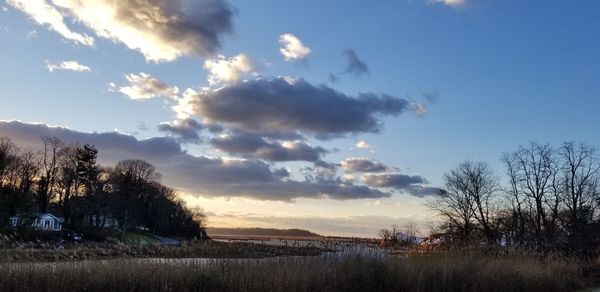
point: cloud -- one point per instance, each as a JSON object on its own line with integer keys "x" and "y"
{"x": 363, "y": 145}
{"x": 333, "y": 78}
{"x": 253, "y": 146}
{"x": 356, "y": 164}
{"x": 162, "y": 30}
{"x": 427, "y": 98}
{"x": 284, "y": 105}
{"x": 142, "y": 86}
{"x": 410, "y": 184}
{"x": 292, "y": 48}
{"x": 196, "y": 175}
{"x": 32, "y": 34}
{"x": 228, "y": 71}
{"x": 454, "y": 3}
{"x": 67, "y": 65}
{"x": 46, "y": 14}
{"x": 185, "y": 130}
{"x": 420, "y": 108}
{"x": 354, "y": 65}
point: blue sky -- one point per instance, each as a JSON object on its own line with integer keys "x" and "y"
{"x": 507, "y": 72}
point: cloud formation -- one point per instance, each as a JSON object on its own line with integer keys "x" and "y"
{"x": 253, "y": 146}
{"x": 284, "y": 105}
{"x": 411, "y": 184}
{"x": 185, "y": 130}
{"x": 222, "y": 70}
{"x": 162, "y": 30}
{"x": 357, "y": 164}
{"x": 363, "y": 145}
{"x": 142, "y": 86}
{"x": 354, "y": 65}
{"x": 67, "y": 65}
{"x": 454, "y": 3}
{"x": 46, "y": 14}
{"x": 196, "y": 175}
{"x": 292, "y": 48}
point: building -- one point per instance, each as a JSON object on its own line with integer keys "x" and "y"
{"x": 42, "y": 221}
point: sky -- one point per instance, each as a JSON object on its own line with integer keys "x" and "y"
{"x": 336, "y": 116}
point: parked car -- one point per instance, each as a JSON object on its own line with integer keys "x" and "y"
{"x": 72, "y": 236}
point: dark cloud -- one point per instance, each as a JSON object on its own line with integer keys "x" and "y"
{"x": 253, "y": 146}
{"x": 325, "y": 164}
{"x": 186, "y": 130}
{"x": 354, "y": 65}
{"x": 356, "y": 164}
{"x": 281, "y": 105}
{"x": 392, "y": 180}
{"x": 411, "y": 184}
{"x": 198, "y": 175}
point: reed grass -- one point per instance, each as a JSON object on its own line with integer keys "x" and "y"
{"x": 329, "y": 272}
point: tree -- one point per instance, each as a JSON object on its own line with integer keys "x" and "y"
{"x": 581, "y": 177}
{"x": 389, "y": 236}
{"x": 467, "y": 201}
{"x": 7, "y": 157}
{"x": 68, "y": 180}
{"x": 48, "y": 165}
{"x": 533, "y": 173}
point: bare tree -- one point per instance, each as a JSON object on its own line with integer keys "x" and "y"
{"x": 7, "y": 157}
{"x": 533, "y": 174}
{"x": 581, "y": 171}
{"x": 48, "y": 164}
{"x": 515, "y": 220}
{"x": 389, "y": 236}
{"x": 138, "y": 170}
{"x": 67, "y": 178}
{"x": 468, "y": 200}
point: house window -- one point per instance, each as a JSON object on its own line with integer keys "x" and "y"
{"x": 46, "y": 224}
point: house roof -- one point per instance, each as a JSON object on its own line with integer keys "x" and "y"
{"x": 39, "y": 215}
{"x": 50, "y": 215}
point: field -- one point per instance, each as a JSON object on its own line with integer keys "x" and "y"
{"x": 328, "y": 272}
{"x": 281, "y": 264}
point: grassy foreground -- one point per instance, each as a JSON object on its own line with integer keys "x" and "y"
{"x": 322, "y": 273}
{"x": 43, "y": 252}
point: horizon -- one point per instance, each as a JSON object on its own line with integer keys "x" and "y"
{"x": 341, "y": 125}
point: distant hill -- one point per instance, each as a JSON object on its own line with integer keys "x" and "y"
{"x": 260, "y": 232}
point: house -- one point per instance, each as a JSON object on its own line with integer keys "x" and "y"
{"x": 42, "y": 221}
{"x": 108, "y": 221}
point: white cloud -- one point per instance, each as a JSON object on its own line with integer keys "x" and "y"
{"x": 292, "y": 48}
{"x": 142, "y": 86}
{"x": 420, "y": 108}
{"x": 454, "y": 3}
{"x": 162, "y": 30}
{"x": 363, "y": 145}
{"x": 32, "y": 34}
{"x": 4, "y": 9}
{"x": 67, "y": 65}
{"x": 223, "y": 70}
{"x": 46, "y": 14}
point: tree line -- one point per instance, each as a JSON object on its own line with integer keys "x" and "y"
{"x": 67, "y": 180}
{"x": 547, "y": 199}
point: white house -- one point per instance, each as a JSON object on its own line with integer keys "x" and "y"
{"x": 43, "y": 221}
{"x": 108, "y": 221}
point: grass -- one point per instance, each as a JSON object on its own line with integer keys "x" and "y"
{"x": 354, "y": 272}
{"x": 44, "y": 252}
{"x": 138, "y": 238}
